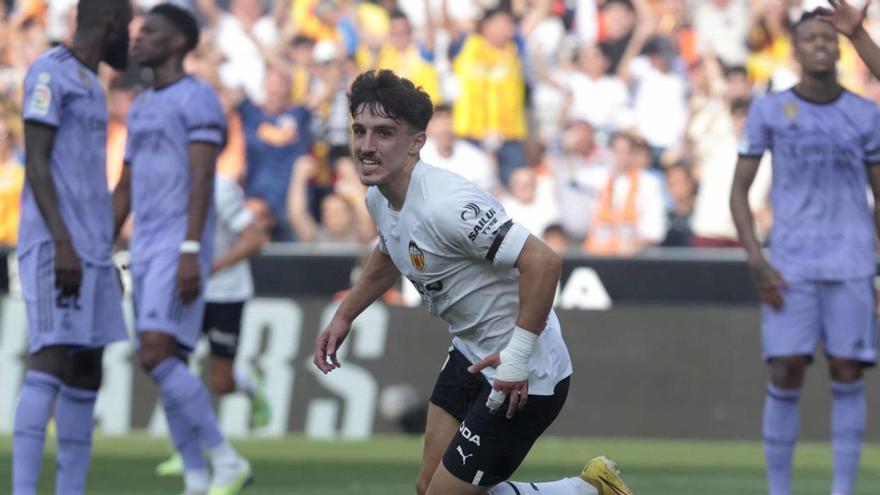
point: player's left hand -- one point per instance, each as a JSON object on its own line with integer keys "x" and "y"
{"x": 517, "y": 391}
{"x": 189, "y": 278}
{"x": 845, "y": 18}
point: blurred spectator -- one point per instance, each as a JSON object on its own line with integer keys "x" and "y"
{"x": 716, "y": 150}
{"x": 490, "y": 107}
{"x": 402, "y": 55}
{"x": 580, "y": 168}
{"x": 659, "y": 90}
{"x": 276, "y": 133}
{"x": 596, "y": 97}
{"x": 617, "y": 20}
{"x": 11, "y": 183}
{"x": 631, "y": 214}
{"x": 721, "y": 27}
{"x": 443, "y": 149}
{"x": 681, "y": 187}
{"x": 556, "y": 237}
{"x": 769, "y": 41}
{"x": 531, "y": 207}
{"x": 343, "y": 213}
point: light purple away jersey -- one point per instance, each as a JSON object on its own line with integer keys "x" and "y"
{"x": 161, "y": 125}
{"x": 61, "y": 92}
{"x": 823, "y": 227}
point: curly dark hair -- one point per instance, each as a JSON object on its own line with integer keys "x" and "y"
{"x": 386, "y": 94}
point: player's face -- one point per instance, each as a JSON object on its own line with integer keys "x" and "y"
{"x": 382, "y": 147}
{"x": 116, "y": 50}
{"x": 153, "y": 43}
{"x": 816, "y": 47}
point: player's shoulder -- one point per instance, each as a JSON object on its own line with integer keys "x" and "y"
{"x": 443, "y": 194}
{"x": 52, "y": 61}
{"x": 855, "y": 99}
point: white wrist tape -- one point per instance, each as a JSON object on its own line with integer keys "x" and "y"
{"x": 514, "y": 365}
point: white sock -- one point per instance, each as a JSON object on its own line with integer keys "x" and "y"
{"x": 244, "y": 382}
{"x": 565, "y": 486}
{"x": 197, "y": 480}
{"x": 223, "y": 454}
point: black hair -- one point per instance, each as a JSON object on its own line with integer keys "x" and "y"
{"x": 302, "y": 39}
{"x": 735, "y": 69}
{"x": 398, "y": 14}
{"x": 627, "y": 4}
{"x": 91, "y": 12}
{"x": 806, "y": 16}
{"x": 182, "y": 20}
{"x": 490, "y": 13}
{"x": 442, "y": 108}
{"x": 388, "y": 95}
{"x": 555, "y": 228}
{"x": 740, "y": 105}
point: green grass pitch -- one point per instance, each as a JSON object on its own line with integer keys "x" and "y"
{"x": 388, "y": 465}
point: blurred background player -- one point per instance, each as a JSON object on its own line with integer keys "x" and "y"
{"x": 175, "y": 131}
{"x": 239, "y": 237}
{"x": 68, "y": 281}
{"x": 819, "y": 281}
{"x": 459, "y": 248}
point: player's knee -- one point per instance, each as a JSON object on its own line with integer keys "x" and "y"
{"x": 151, "y": 356}
{"x": 788, "y": 372}
{"x": 845, "y": 370}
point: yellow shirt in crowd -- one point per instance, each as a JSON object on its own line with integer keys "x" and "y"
{"x": 492, "y": 96}
{"x": 408, "y": 64}
{"x": 11, "y": 184}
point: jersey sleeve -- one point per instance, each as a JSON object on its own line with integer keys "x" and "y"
{"x": 872, "y": 140}
{"x": 756, "y": 135}
{"x": 473, "y": 223}
{"x": 231, "y": 210}
{"x": 203, "y": 117}
{"x": 43, "y": 94}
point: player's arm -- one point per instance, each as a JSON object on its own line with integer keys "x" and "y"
{"x": 304, "y": 225}
{"x": 849, "y": 21}
{"x": 249, "y": 242}
{"x": 121, "y": 200}
{"x": 766, "y": 279}
{"x": 379, "y": 274}
{"x": 539, "y": 271}
{"x": 39, "y": 139}
{"x": 202, "y": 156}
{"x": 874, "y": 178}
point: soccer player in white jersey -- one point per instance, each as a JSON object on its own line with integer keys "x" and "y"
{"x": 175, "y": 131}
{"x": 818, "y": 282}
{"x": 507, "y": 373}
{"x": 70, "y": 288}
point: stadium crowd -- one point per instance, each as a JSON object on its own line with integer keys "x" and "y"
{"x": 603, "y": 126}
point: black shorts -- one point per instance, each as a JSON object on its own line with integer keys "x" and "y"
{"x": 222, "y": 325}
{"x": 489, "y": 447}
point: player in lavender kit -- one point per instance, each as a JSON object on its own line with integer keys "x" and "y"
{"x": 175, "y": 130}
{"x": 68, "y": 281}
{"x": 484, "y": 275}
{"x": 818, "y": 282}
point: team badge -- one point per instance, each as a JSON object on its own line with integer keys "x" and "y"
{"x": 416, "y": 256}
{"x": 790, "y": 110}
{"x": 83, "y": 77}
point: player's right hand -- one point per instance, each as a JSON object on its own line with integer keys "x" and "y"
{"x": 768, "y": 283}
{"x": 68, "y": 268}
{"x": 847, "y": 19}
{"x": 328, "y": 343}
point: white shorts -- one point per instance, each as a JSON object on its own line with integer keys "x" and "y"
{"x": 93, "y": 318}
{"x": 158, "y": 306}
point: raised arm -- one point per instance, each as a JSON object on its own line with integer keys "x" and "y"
{"x": 304, "y": 225}
{"x": 849, "y": 21}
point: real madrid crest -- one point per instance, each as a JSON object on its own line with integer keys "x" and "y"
{"x": 83, "y": 77}
{"x": 416, "y": 256}
{"x": 790, "y": 110}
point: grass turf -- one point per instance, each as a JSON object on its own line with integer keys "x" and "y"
{"x": 388, "y": 465}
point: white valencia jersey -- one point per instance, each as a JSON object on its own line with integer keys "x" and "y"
{"x": 458, "y": 247}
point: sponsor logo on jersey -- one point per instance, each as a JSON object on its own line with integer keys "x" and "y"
{"x": 469, "y": 435}
{"x": 487, "y": 221}
{"x": 83, "y": 77}
{"x": 471, "y": 211}
{"x": 416, "y": 256}
{"x": 41, "y": 96}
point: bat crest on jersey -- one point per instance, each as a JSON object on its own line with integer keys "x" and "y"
{"x": 416, "y": 256}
